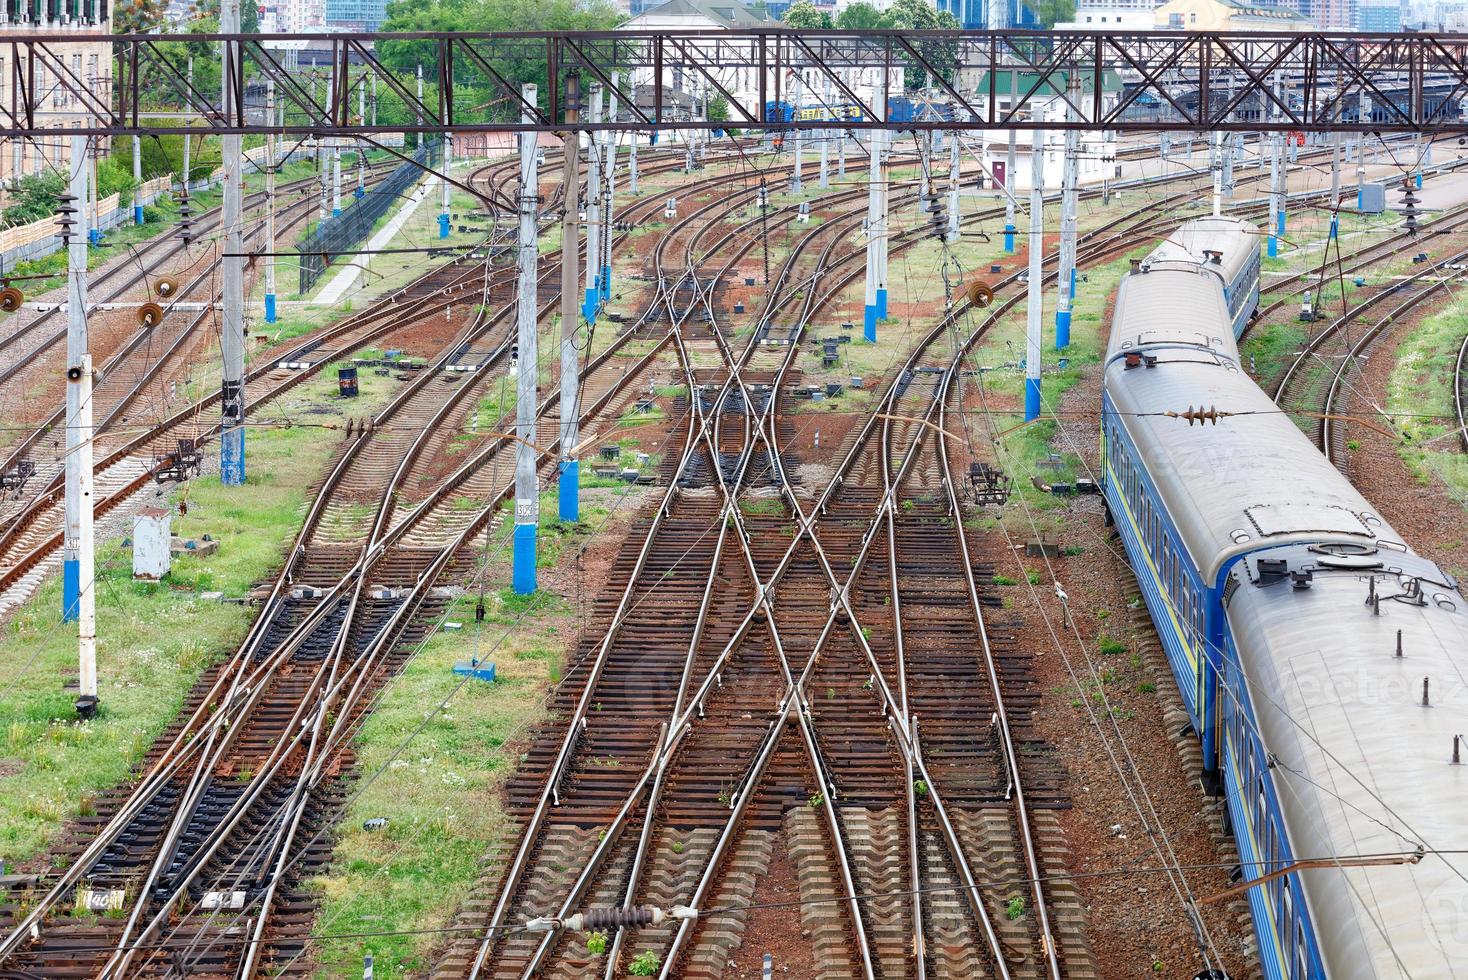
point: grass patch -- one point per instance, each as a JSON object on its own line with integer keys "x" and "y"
{"x": 441, "y": 795}
{"x": 155, "y": 640}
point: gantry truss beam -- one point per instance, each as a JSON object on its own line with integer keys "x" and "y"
{"x": 1139, "y": 82}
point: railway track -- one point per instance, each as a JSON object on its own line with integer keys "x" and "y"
{"x": 238, "y": 796}
{"x": 341, "y": 636}
{"x": 1460, "y": 392}
{"x": 1321, "y": 373}
{"x": 122, "y": 277}
{"x": 660, "y": 658}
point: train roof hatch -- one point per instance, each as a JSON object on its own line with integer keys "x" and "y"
{"x": 1300, "y": 518}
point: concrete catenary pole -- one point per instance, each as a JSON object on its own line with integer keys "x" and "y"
{"x": 632, "y": 158}
{"x": 446, "y": 197}
{"x": 1065, "y": 279}
{"x": 796, "y": 184}
{"x": 1035, "y": 300}
{"x": 570, "y": 497}
{"x": 232, "y": 264}
{"x": 270, "y": 166}
{"x": 609, "y": 173}
{"x": 825, "y": 137}
{"x": 78, "y": 568}
{"x": 361, "y": 191}
{"x": 1218, "y": 175}
{"x": 137, "y": 180}
{"x": 593, "y": 213}
{"x": 527, "y": 502}
{"x": 876, "y": 283}
{"x": 1011, "y": 160}
{"x": 953, "y": 181}
{"x": 336, "y": 178}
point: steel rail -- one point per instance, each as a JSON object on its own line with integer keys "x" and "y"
{"x": 764, "y": 591}
{"x": 184, "y": 746}
{"x": 1331, "y": 425}
{"x": 412, "y": 518}
{"x": 363, "y": 665}
{"x": 1460, "y": 392}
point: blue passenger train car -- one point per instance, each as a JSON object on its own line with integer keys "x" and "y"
{"x": 1280, "y": 596}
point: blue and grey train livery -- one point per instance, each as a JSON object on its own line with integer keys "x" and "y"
{"x": 1321, "y": 659}
{"x": 1225, "y": 248}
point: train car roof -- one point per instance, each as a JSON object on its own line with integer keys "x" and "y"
{"x": 1251, "y": 478}
{"x": 1233, "y": 238}
{"x": 1361, "y": 766}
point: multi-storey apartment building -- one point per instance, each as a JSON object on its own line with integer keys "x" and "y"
{"x": 68, "y": 66}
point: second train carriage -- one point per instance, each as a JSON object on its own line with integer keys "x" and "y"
{"x": 1280, "y": 597}
{"x": 1225, "y": 248}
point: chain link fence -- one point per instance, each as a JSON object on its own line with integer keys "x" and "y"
{"x": 333, "y": 236}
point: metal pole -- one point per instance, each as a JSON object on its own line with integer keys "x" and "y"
{"x": 187, "y": 122}
{"x": 1010, "y": 162}
{"x": 361, "y": 191}
{"x": 1217, "y": 176}
{"x": 336, "y": 178}
{"x": 1065, "y": 280}
{"x": 1276, "y": 214}
{"x": 632, "y": 164}
{"x": 445, "y": 208}
{"x": 270, "y": 165}
{"x": 78, "y": 571}
{"x": 527, "y": 503}
{"x": 825, "y": 138}
{"x": 611, "y": 187}
{"x": 137, "y": 180}
{"x": 593, "y": 214}
{"x": 882, "y": 196}
{"x": 796, "y": 186}
{"x": 876, "y": 284}
{"x": 1035, "y": 301}
{"x": 232, "y": 330}
{"x": 925, "y": 171}
{"x": 953, "y": 177}
{"x": 570, "y": 504}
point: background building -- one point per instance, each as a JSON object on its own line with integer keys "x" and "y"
{"x": 89, "y": 62}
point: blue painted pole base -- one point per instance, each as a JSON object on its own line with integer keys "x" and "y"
{"x": 1281, "y": 229}
{"x": 1335, "y": 226}
{"x": 1062, "y": 329}
{"x": 881, "y": 304}
{"x": 443, "y": 226}
{"x": 1273, "y": 246}
{"x": 232, "y": 457}
{"x": 590, "y": 304}
{"x": 269, "y": 307}
{"x": 1032, "y": 399}
{"x": 94, "y": 236}
{"x": 71, "y": 590}
{"x": 523, "y": 576}
{"x": 359, "y": 193}
{"x": 1419, "y": 180}
{"x": 571, "y": 490}
{"x": 869, "y": 324}
{"x": 138, "y": 213}
{"x": 336, "y": 212}
{"x": 1360, "y": 200}
{"x": 1009, "y": 238}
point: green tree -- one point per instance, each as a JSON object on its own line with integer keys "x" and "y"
{"x": 859, "y": 16}
{"x": 35, "y": 197}
{"x": 137, "y": 16}
{"x": 803, "y": 16}
{"x": 539, "y": 17}
{"x": 1052, "y": 12}
{"x": 917, "y": 15}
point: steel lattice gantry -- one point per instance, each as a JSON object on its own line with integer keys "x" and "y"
{"x": 1158, "y": 81}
